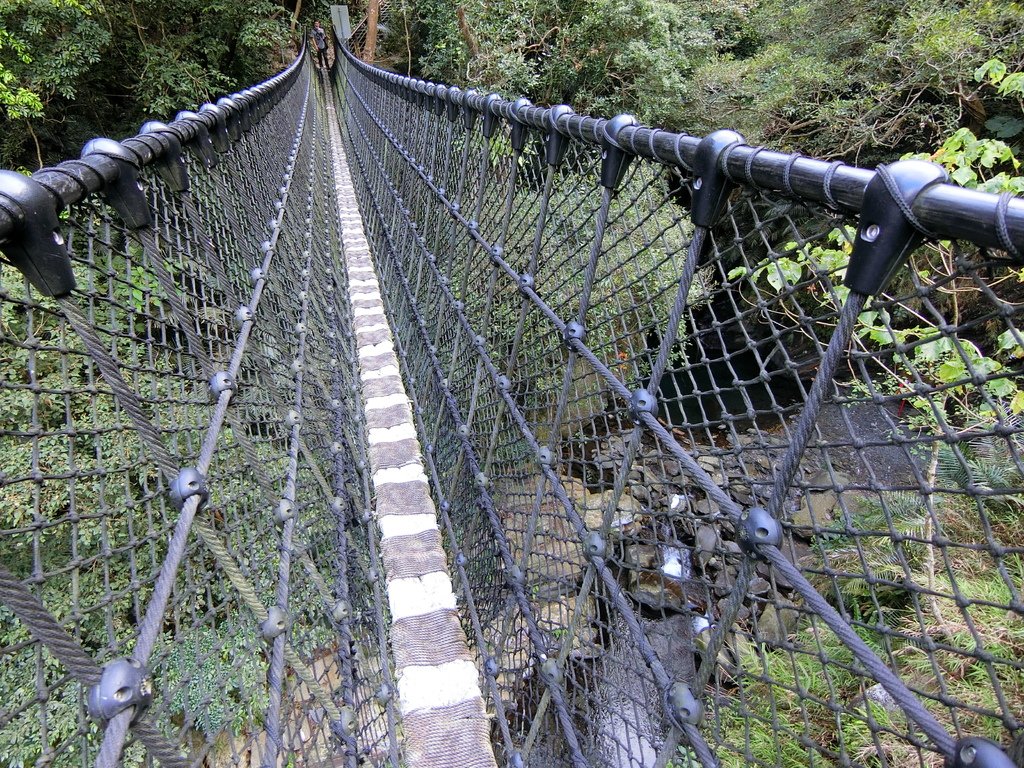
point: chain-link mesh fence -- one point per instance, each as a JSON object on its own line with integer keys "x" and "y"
{"x": 728, "y": 461}
{"x": 726, "y": 457}
{"x": 183, "y": 485}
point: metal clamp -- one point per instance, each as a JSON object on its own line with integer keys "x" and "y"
{"x": 687, "y": 708}
{"x": 758, "y": 528}
{"x": 189, "y": 482}
{"x": 124, "y": 194}
{"x": 220, "y": 383}
{"x": 36, "y": 247}
{"x": 641, "y": 402}
{"x": 275, "y": 624}
{"x": 171, "y": 164}
{"x": 124, "y": 684}
{"x": 556, "y": 143}
{"x": 614, "y": 158}
{"x": 976, "y": 752}
{"x": 889, "y": 231}
{"x": 712, "y": 186}
{"x": 201, "y": 143}
{"x": 518, "y": 134}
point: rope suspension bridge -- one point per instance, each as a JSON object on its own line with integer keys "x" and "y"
{"x": 355, "y": 420}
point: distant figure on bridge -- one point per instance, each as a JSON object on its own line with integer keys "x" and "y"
{"x": 320, "y": 42}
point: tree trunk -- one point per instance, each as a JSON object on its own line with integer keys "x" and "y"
{"x": 370, "y": 47}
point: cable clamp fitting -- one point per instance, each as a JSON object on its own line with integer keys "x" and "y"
{"x": 36, "y": 247}
{"x": 889, "y": 231}
{"x": 189, "y": 482}
{"x": 125, "y": 194}
{"x": 124, "y": 684}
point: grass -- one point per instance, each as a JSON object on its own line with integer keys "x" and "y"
{"x": 929, "y": 584}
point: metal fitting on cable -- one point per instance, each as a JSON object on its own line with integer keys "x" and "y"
{"x": 124, "y": 684}
{"x": 220, "y": 383}
{"x": 976, "y": 752}
{"x": 36, "y": 246}
{"x": 275, "y": 624}
{"x": 189, "y": 482}
{"x": 757, "y": 529}
{"x": 641, "y": 402}
{"x": 686, "y": 708}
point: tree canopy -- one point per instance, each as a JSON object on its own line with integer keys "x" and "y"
{"x": 864, "y": 80}
{"x": 74, "y": 69}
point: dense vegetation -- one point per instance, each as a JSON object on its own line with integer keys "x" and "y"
{"x": 74, "y": 69}
{"x": 863, "y": 80}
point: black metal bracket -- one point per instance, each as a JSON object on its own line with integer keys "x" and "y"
{"x": 451, "y": 107}
{"x": 170, "y": 165}
{"x": 712, "y": 186}
{"x": 232, "y": 116}
{"x": 614, "y": 158}
{"x": 36, "y": 247}
{"x": 189, "y": 482}
{"x": 219, "y": 134}
{"x": 519, "y": 128}
{"x": 124, "y": 684}
{"x": 976, "y": 752}
{"x": 202, "y": 143}
{"x": 491, "y": 116}
{"x": 125, "y": 193}
{"x": 889, "y": 231}
{"x": 555, "y": 142}
{"x": 468, "y": 113}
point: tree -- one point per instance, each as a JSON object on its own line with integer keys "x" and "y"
{"x": 74, "y": 69}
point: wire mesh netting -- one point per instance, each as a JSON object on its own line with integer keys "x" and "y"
{"x": 263, "y": 629}
{"x": 725, "y": 453}
{"x": 705, "y": 504}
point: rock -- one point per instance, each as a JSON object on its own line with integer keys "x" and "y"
{"x": 643, "y": 556}
{"x": 555, "y": 619}
{"x": 877, "y": 695}
{"x": 815, "y": 509}
{"x": 594, "y": 505}
{"x": 707, "y": 508}
{"x": 678, "y": 502}
{"x": 777, "y": 622}
{"x": 671, "y": 468}
{"x": 655, "y": 591}
{"x": 673, "y": 639}
{"x": 759, "y": 586}
{"x": 724, "y": 581}
{"x": 706, "y": 539}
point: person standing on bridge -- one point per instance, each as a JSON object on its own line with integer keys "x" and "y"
{"x": 320, "y": 42}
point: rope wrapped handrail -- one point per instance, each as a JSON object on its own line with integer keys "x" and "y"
{"x": 73, "y": 180}
{"x": 948, "y": 210}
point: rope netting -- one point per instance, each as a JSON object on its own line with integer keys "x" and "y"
{"x": 575, "y": 443}
{"x": 727, "y": 473}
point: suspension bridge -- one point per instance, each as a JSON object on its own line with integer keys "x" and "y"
{"x": 356, "y": 420}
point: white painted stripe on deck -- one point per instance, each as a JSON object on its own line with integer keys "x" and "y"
{"x": 387, "y": 371}
{"x": 393, "y": 434}
{"x": 385, "y": 401}
{"x": 405, "y": 525}
{"x": 410, "y": 473}
{"x": 418, "y": 595}
{"x": 429, "y": 687}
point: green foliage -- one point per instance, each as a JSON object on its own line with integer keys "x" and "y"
{"x": 214, "y": 678}
{"x": 74, "y": 69}
{"x": 861, "y": 80}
